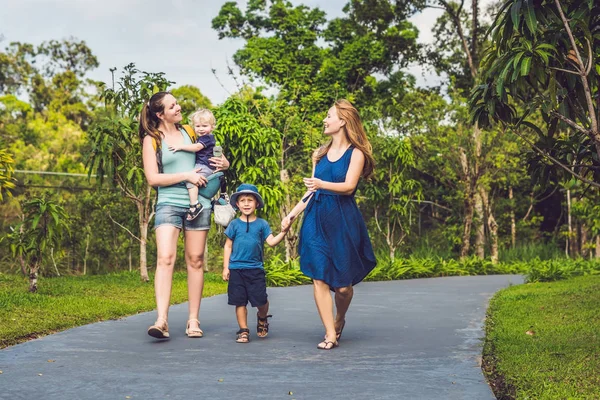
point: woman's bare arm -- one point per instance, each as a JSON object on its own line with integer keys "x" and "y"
{"x": 155, "y": 178}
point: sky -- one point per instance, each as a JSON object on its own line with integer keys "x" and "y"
{"x": 170, "y": 36}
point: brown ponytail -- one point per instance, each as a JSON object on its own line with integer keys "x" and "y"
{"x": 149, "y": 121}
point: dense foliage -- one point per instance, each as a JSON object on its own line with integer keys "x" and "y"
{"x": 449, "y": 196}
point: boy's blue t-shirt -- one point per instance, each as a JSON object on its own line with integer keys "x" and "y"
{"x": 203, "y": 155}
{"x": 247, "y": 249}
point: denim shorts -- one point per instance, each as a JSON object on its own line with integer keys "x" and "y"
{"x": 176, "y": 216}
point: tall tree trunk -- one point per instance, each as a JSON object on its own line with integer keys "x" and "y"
{"x": 130, "y": 258}
{"x": 33, "y": 276}
{"x": 290, "y": 240}
{"x": 468, "y": 222}
{"x": 584, "y": 249}
{"x": 597, "y": 246}
{"x": 54, "y": 261}
{"x": 513, "y": 221}
{"x": 479, "y": 227}
{"x": 145, "y": 213}
{"x": 569, "y": 224}
{"x": 492, "y": 225}
{"x": 85, "y": 257}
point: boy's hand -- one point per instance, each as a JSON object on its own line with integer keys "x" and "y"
{"x": 174, "y": 148}
{"x": 225, "y": 274}
{"x": 286, "y": 223}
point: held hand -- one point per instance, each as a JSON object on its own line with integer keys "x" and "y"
{"x": 175, "y": 148}
{"x": 286, "y": 223}
{"x": 220, "y": 163}
{"x": 313, "y": 184}
{"x": 225, "y": 274}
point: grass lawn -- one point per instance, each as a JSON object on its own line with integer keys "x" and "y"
{"x": 70, "y": 301}
{"x": 543, "y": 340}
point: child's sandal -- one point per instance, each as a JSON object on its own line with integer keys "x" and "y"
{"x": 262, "y": 326}
{"x": 194, "y": 211}
{"x": 243, "y": 335}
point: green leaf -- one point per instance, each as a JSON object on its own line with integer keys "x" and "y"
{"x": 525, "y": 65}
{"x": 515, "y": 12}
{"x": 530, "y": 18}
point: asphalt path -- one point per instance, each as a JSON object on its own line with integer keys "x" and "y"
{"x": 411, "y": 339}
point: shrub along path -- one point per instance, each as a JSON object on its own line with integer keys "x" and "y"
{"x": 413, "y": 339}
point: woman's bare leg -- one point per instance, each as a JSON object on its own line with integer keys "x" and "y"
{"x": 325, "y": 308}
{"x": 166, "y": 247}
{"x": 343, "y": 298}
{"x": 195, "y": 242}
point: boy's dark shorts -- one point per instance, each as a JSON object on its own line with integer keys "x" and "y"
{"x": 247, "y": 285}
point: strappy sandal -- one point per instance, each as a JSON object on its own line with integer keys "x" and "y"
{"x": 243, "y": 335}
{"x": 327, "y": 345}
{"x": 194, "y": 211}
{"x": 193, "y": 333}
{"x": 159, "y": 331}
{"x": 262, "y": 326}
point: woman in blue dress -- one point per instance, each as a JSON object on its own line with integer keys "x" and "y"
{"x": 334, "y": 247}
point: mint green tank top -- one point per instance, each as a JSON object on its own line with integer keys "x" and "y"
{"x": 181, "y": 161}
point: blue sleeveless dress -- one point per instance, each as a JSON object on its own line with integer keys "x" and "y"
{"x": 334, "y": 244}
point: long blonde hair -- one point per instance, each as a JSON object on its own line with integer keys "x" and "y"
{"x": 355, "y": 132}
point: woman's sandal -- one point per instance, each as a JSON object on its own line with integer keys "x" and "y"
{"x": 194, "y": 211}
{"x": 262, "y": 326}
{"x": 327, "y": 345}
{"x": 243, "y": 335}
{"x": 338, "y": 334}
{"x": 159, "y": 331}
{"x": 193, "y": 333}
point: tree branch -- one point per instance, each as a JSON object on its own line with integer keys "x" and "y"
{"x": 555, "y": 161}
{"x": 128, "y": 231}
{"x": 584, "y": 81}
{"x": 570, "y": 122}
{"x": 566, "y": 70}
{"x": 461, "y": 34}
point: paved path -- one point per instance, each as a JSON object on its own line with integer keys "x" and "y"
{"x": 413, "y": 339}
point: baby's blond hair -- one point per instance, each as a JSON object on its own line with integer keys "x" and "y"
{"x": 203, "y": 114}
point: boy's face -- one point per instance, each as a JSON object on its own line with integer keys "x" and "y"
{"x": 202, "y": 127}
{"x": 247, "y": 204}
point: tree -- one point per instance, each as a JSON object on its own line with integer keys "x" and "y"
{"x": 254, "y": 151}
{"x": 546, "y": 58}
{"x": 6, "y": 174}
{"x": 311, "y": 62}
{"x": 190, "y": 99}
{"x": 392, "y": 191}
{"x": 34, "y": 240}
{"x": 116, "y": 151}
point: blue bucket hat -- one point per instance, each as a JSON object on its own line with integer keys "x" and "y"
{"x": 246, "y": 188}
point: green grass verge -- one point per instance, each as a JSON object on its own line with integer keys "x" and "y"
{"x": 69, "y": 301}
{"x": 543, "y": 340}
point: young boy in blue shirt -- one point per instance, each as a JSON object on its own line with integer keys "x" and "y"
{"x": 243, "y": 263}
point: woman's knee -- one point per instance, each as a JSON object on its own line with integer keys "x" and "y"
{"x": 165, "y": 261}
{"x": 195, "y": 261}
{"x": 345, "y": 291}
{"x": 320, "y": 284}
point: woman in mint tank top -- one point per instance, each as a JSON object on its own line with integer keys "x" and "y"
{"x": 334, "y": 246}
{"x": 169, "y": 171}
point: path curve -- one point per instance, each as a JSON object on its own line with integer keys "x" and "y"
{"x": 410, "y": 339}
